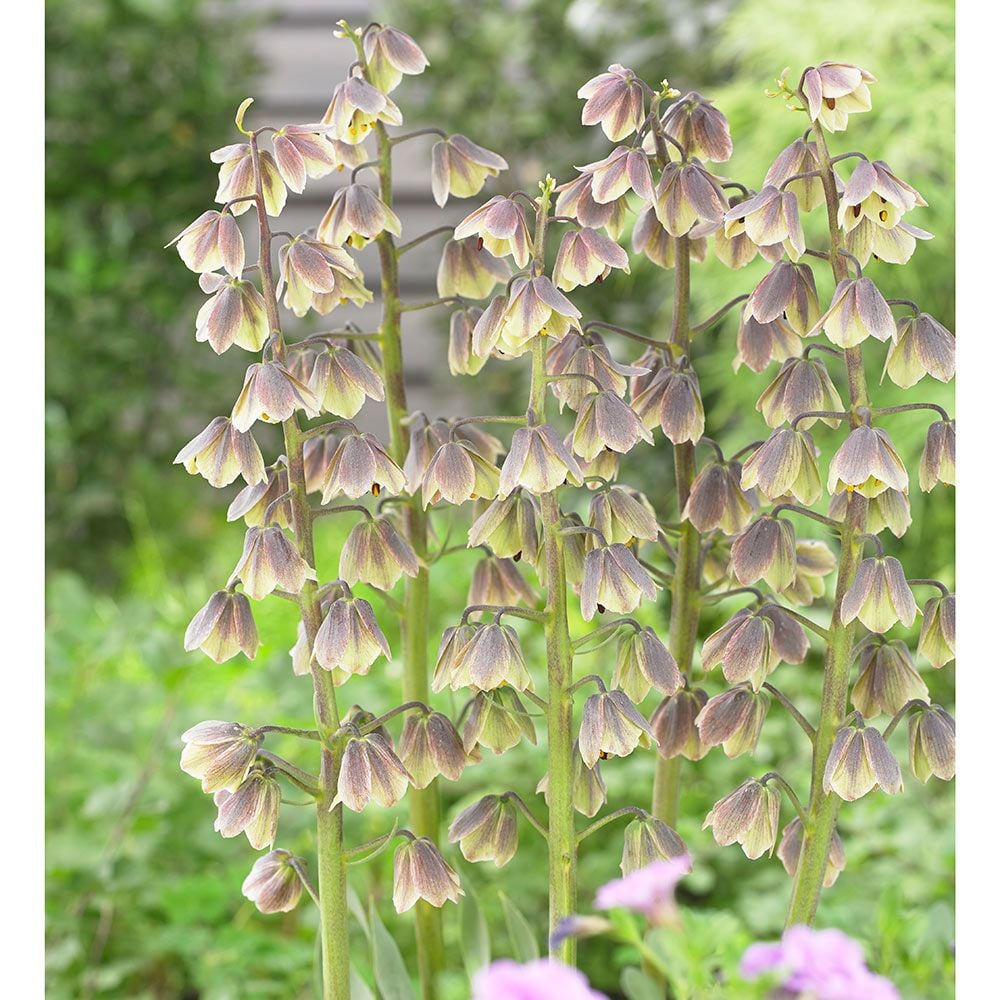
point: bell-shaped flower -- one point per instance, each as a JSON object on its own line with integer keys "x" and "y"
{"x": 538, "y": 461}
{"x": 613, "y": 580}
{"x": 813, "y": 563}
{"x": 835, "y": 90}
{"x": 622, "y": 515}
{"x": 673, "y": 724}
{"x": 622, "y": 171}
{"x": 586, "y": 256}
{"x": 270, "y": 561}
{"x": 492, "y": 658}
{"x": 922, "y": 346}
{"x": 349, "y": 641}
{"x": 419, "y": 872}
{"x": 355, "y": 108}
{"x": 251, "y": 809}
{"x": 802, "y": 385}
{"x": 235, "y": 314}
{"x": 765, "y": 550}
{"x": 219, "y": 753}
{"x": 369, "y": 770}
{"x": 509, "y": 527}
{"x": 867, "y": 462}
{"x": 694, "y": 122}
{"x": 887, "y": 678}
{"x": 734, "y": 719}
{"x": 614, "y": 100}
{"x": 932, "y": 744}
{"x": 745, "y": 648}
{"x": 787, "y": 291}
{"x": 611, "y": 727}
{"x": 535, "y": 307}
{"x": 502, "y": 229}
{"x": 735, "y": 249}
{"x": 642, "y": 662}
{"x": 221, "y": 452}
{"x": 686, "y": 194}
{"x": 497, "y": 720}
{"x": 274, "y": 884}
{"x": 389, "y": 53}
{"x": 486, "y": 830}
{"x": 859, "y": 761}
{"x": 377, "y": 554}
{"x": 303, "y": 151}
{"x": 784, "y": 464}
{"x": 361, "y": 465}
{"x": 309, "y": 268}
{"x": 575, "y": 199}
{"x": 717, "y": 500}
{"x": 236, "y": 179}
{"x": 459, "y": 167}
{"x": 457, "y": 473}
{"x": 875, "y": 193}
{"x": 498, "y": 582}
{"x": 937, "y": 461}
{"x": 346, "y": 288}
{"x": 879, "y": 595}
{"x": 212, "y": 241}
{"x": 937, "y": 631}
{"x": 747, "y": 816}
{"x": 758, "y": 344}
{"x": 223, "y": 628}
{"x": 671, "y": 399}
{"x": 890, "y": 509}
{"x": 466, "y": 271}
{"x": 430, "y": 746}
{"x": 858, "y": 311}
{"x": 462, "y": 360}
{"x": 647, "y": 840}
{"x": 272, "y": 394}
{"x": 453, "y": 641}
{"x": 356, "y": 215}
{"x": 800, "y": 157}
{"x": 341, "y": 382}
{"x": 576, "y": 354}
{"x": 790, "y": 849}
{"x": 605, "y": 420}
{"x": 769, "y": 217}
{"x": 589, "y": 791}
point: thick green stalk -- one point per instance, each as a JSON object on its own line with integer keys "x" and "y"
{"x": 821, "y": 815}
{"x": 331, "y": 883}
{"x": 424, "y": 803}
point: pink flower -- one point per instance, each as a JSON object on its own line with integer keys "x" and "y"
{"x": 648, "y": 890}
{"x": 541, "y": 979}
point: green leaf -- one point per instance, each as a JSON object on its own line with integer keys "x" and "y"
{"x": 360, "y": 990}
{"x": 522, "y": 938}
{"x": 475, "y": 934}
{"x": 636, "y": 985}
{"x": 240, "y": 112}
{"x": 391, "y": 977}
{"x": 357, "y": 908}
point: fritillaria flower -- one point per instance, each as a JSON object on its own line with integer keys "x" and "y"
{"x": 747, "y": 816}
{"x": 879, "y": 596}
{"x": 875, "y": 193}
{"x": 922, "y": 346}
{"x": 361, "y": 465}
{"x": 377, "y": 554}
{"x": 699, "y": 127}
{"x": 671, "y": 400}
{"x": 355, "y": 216}
{"x": 867, "y": 462}
{"x": 605, "y": 420}
{"x": 937, "y": 462}
{"x": 858, "y": 311}
{"x": 784, "y": 464}
{"x": 251, "y": 809}
{"x": 611, "y": 727}
{"x": 223, "y": 628}
{"x": 235, "y": 314}
{"x": 937, "y": 631}
{"x": 369, "y": 770}
{"x": 539, "y": 979}
{"x": 508, "y": 527}
{"x": 802, "y": 385}
{"x": 486, "y": 830}
{"x": 467, "y": 272}
{"x": 758, "y": 344}
{"x": 534, "y": 307}
{"x": 389, "y": 53}
{"x": 270, "y": 561}
{"x": 859, "y": 761}
{"x": 236, "y": 179}
{"x": 643, "y": 662}
{"x": 419, "y": 872}
{"x": 274, "y": 885}
{"x": 219, "y": 753}
{"x": 614, "y": 101}
{"x": 769, "y": 217}
{"x": 575, "y": 199}
{"x": 461, "y": 359}
{"x": 799, "y": 157}
{"x": 454, "y": 639}
{"x": 355, "y": 108}
{"x": 622, "y": 171}
{"x": 790, "y": 848}
{"x": 457, "y": 473}
{"x": 622, "y": 515}
{"x": 430, "y": 746}
{"x": 734, "y": 719}
{"x": 341, "y": 382}
{"x": 887, "y": 679}
{"x": 221, "y": 452}
{"x": 765, "y": 549}
{"x": 686, "y": 194}
{"x": 498, "y": 582}
{"x": 303, "y": 151}
{"x": 673, "y": 724}
{"x": 890, "y": 509}
{"x": 932, "y": 744}
{"x": 717, "y": 499}
{"x": 648, "y": 840}
{"x": 589, "y": 790}
{"x": 349, "y": 641}
{"x": 648, "y": 890}
{"x": 894, "y": 246}
{"x": 576, "y": 354}
{"x": 498, "y": 720}
{"x": 492, "y": 658}
{"x": 813, "y": 562}
{"x": 459, "y": 167}
{"x": 613, "y": 580}
{"x": 787, "y": 291}
{"x": 501, "y": 227}
{"x": 272, "y": 394}
{"x": 745, "y": 647}
{"x": 212, "y": 241}
{"x": 835, "y": 90}
{"x": 538, "y": 461}
{"x": 586, "y": 256}
{"x": 650, "y": 238}
{"x": 311, "y": 269}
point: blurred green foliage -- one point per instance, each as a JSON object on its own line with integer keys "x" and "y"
{"x": 143, "y": 898}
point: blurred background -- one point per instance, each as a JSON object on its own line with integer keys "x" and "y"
{"x": 143, "y": 898}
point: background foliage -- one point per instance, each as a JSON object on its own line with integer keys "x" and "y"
{"x": 143, "y": 897}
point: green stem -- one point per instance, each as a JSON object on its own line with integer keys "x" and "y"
{"x": 424, "y": 803}
{"x": 821, "y": 814}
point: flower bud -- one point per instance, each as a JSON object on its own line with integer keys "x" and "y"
{"x": 673, "y": 725}
{"x": 717, "y": 500}
{"x": 341, "y": 382}
{"x": 932, "y": 744}
{"x": 212, "y": 241}
{"x": 769, "y": 217}
{"x": 486, "y": 830}
{"x": 460, "y": 167}
{"x": 429, "y": 746}
{"x": 803, "y": 385}
{"x": 734, "y": 719}
{"x": 270, "y": 561}
{"x": 858, "y": 311}
{"x": 613, "y": 580}
{"x": 509, "y": 528}
{"x": 642, "y": 662}
{"x": 464, "y": 270}
{"x": 219, "y": 753}
{"x": 687, "y": 193}
{"x": 785, "y": 464}
{"x": 747, "y": 816}
{"x": 867, "y": 462}
{"x": 502, "y": 229}
{"x": 650, "y": 238}
{"x": 361, "y": 465}
{"x": 937, "y": 463}
{"x": 498, "y": 720}
{"x": 356, "y": 106}
{"x": 311, "y": 269}
{"x": 419, "y": 872}
{"x": 614, "y": 100}
{"x": 699, "y": 127}
{"x": 221, "y": 452}
{"x": 672, "y": 400}
{"x": 272, "y": 394}
{"x": 879, "y": 596}
{"x": 765, "y": 549}
{"x": 235, "y": 314}
{"x": 377, "y": 554}
{"x": 349, "y": 641}
{"x": 223, "y": 627}
{"x": 937, "y": 631}
{"x": 799, "y": 157}
{"x": 457, "y": 473}
{"x": 611, "y": 727}
{"x": 887, "y": 678}
{"x": 586, "y": 256}
{"x": 813, "y": 562}
{"x": 834, "y": 91}
{"x": 758, "y": 344}
{"x": 499, "y": 582}
{"x": 859, "y": 761}
{"x": 589, "y": 790}
{"x": 356, "y": 216}
{"x": 791, "y": 847}
{"x": 237, "y": 181}
{"x": 648, "y": 839}
{"x": 251, "y": 809}
{"x": 389, "y": 53}
{"x": 922, "y": 346}
{"x": 788, "y": 292}
{"x": 576, "y": 200}
{"x": 273, "y": 885}
{"x": 370, "y": 769}
{"x": 492, "y": 658}
{"x": 538, "y": 461}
